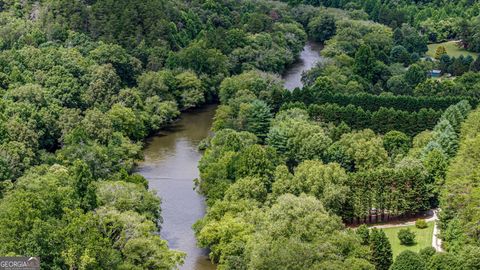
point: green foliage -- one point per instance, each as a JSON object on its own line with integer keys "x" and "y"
{"x": 381, "y": 250}
{"x": 427, "y": 253}
{"x": 62, "y": 234}
{"x": 270, "y": 52}
{"x": 458, "y": 197}
{"x": 396, "y": 142}
{"x": 159, "y": 114}
{"x": 383, "y": 120}
{"x": 415, "y": 75}
{"x": 374, "y": 102}
{"x": 365, "y": 62}
{"x": 353, "y": 36}
{"x": 328, "y": 183}
{"x": 411, "y": 39}
{"x": 421, "y": 224}
{"x": 364, "y": 233}
{"x": 400, "y": 55}
{"x": 264, "y": 86}
{"x": 84, "y": 82}
{"x": 255, "y": 160}
{"x": 248, "y": 188}
{"x": 126, "y": 66}
{"x": 217, "y": 164}
{"x": 124, "y": 196}
{"x": 298, "y": 139}
{"x": 445, "y": 261}
{"x": 256, "y": 118}
{"x": 394, "y": 191}
{"x": 322, "y": 28}
{"x": 298, "y": 226}
{"x": 464, "y": 86}
{"x": 358, "y": 151}
{"x": 201, "y": 59}
{"x": 439, "y": 52}
{"x": 408, "y": 260}
{"x": 125, "y": 121}
{"x": 406, "y": 237}
{"x": 184, "y": 87}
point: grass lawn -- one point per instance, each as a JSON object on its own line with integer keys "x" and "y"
{"x": 452, "y": 49}
{"x": 423, "y": 238}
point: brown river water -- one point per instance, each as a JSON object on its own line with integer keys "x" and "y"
{"x": 170, "y": 165}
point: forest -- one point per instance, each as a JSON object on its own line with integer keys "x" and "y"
{"x": 288, "y": 176}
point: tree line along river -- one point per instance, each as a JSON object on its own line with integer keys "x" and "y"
{"x": 170, "y": 165}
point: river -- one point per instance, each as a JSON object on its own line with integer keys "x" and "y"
{"x": 308, "y": 58}
{"x": 170, "y": 165}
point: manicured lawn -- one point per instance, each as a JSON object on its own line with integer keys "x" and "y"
{"x": 452, "y": 49}
{"x": 423, "y": 238}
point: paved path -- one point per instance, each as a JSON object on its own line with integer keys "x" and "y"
{"x": 436, "y": 242}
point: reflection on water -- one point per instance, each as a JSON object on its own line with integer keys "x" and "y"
{"x": 170, "y": 165}
{"x": 171, "y": 160}
{"x": 307, "y": 60}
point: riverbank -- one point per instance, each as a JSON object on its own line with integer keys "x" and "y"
{"x": 170, "y": 165}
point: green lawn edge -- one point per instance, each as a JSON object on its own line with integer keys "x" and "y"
{"x": 423, "y": 238}
{"x": 452, "y": 49}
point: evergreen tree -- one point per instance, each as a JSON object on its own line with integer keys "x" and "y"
{"x": 448, "y": 139}
{"x": 445, "y": 63}
{"x": 398, "y": 36}
{"x": 459, "y": 66}
{"x": 467, "y": 61}
{"x": 364, "y": 233}
{"x": 381, "y": 250}
{"x": 475, "y": 65}
{"x": 440, "y": 51}
{"x": 258, "y": 118}
{"x": 365, "y": 62}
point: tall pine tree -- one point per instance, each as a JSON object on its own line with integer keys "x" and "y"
{"x": 382, "y": 256}
{"x": 365, "y": 62}
{"x": 475, "y": 65}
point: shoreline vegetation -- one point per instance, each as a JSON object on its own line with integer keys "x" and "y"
{"x": 83, "y": 83}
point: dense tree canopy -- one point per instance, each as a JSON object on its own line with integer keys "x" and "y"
{"x": 370, "y": 136}
{"x": 83, "y": 83}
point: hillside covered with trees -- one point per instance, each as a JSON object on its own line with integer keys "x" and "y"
{"x": 83, "y": 83}
{"x": 286, "y": 174}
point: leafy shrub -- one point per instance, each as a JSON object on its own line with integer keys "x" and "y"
{"x": 421, "y": 224}
{"x": 408, "y": 260}
{"x": 406, "y": 237}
